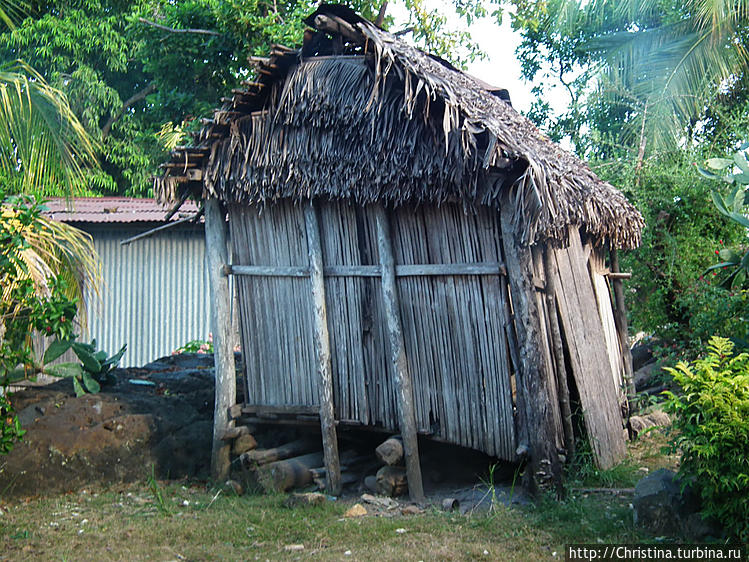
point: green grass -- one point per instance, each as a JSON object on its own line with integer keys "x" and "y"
{"x": 173, "y": 521}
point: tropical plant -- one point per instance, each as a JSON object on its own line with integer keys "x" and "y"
{"x": 734, "y": 171}
{"x": 711, "y": 423}
{"x": 658, "y": 66}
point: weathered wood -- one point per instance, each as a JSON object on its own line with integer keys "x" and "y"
{"x": 398, "y": 356}
{"x": 223, "y": 337}
{"x": 409, "y": 270}
{"x": 585, "y": 341}
{"x": 288, "y": 450}
{"x": 558, "y": 352}
{"x": 234, "y": 432}
{"x": 531, "y": 378}
{"x": 322, "y": 345}
{"x": 234, "y": 411}
{"x": 289, "y": 409}
{"x": 620, "y": 317}
{"x": 290, "y": 473}
{"x": 390, "y": 451}
{"x": 392, "y": 481}
{"x": 242, "y": 444}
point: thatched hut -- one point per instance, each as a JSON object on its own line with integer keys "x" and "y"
{"x": 411, "y": 253}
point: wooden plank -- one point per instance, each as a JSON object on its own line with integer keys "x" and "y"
{"x": 558, "y": 352}
{"x": 586, "y": 345}
{"x": 268, "y": 270}
{"x": 223, "y": 337}
{"x": 531, "y": 378}
{"x": 322, "y": 345}
{"x": 398, "y": 356}
{"x": 280, "y": 409}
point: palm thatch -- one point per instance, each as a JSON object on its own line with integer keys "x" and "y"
{"x": 359, "y": 114}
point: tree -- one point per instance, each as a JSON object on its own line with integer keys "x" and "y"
{"x": 658, "y": 66}
{"x": 142, "y": 74}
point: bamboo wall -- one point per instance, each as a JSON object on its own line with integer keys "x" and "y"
{"x": 456, "y": 315}
{"x": 455, "y": 325}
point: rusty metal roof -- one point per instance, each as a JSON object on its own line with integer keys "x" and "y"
{"x": 114, "y": 210}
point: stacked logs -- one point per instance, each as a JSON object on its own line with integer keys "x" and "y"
{"x": 390, "y": 480}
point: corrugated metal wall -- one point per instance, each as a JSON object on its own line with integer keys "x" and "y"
{"x": 156, "y": 295}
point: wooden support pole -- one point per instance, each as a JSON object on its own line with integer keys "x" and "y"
{"x": 398, "y": 356}
{"x": 550, "y": 267}
{"x": 223, "y": 337}
{"x": 322, "y": 346}
{"x": 532, "y": 379}
{"x": 620, "y": 317}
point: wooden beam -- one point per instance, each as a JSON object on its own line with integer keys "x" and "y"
{"x": 410, "y": 270}
{"x": 223, "y": 337}
{"x": 322, "y": 346}
{"x": 404, "y": 387}
{"x": 531, "y": 376}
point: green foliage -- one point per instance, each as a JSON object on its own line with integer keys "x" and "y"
{"x": 28, "y": 303}
{"x": 195, "y": 346}
{"x": 90, "y": 373}
{"x": 679, "y": 241}
{"x": 711, "y": 419}
{"x": 733, "y": 206}
{"x": 129, "y": 68}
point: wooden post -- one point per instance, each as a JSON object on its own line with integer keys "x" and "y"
{"x": 556, "y": 341}
{"x": 533, "y": 382}
{"x": 403, "y": 383}
{"x": 223, "y": 337}
{"x": 622, "y": 330}
{"x": 322, "y": 346}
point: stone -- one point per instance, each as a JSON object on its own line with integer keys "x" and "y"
{"x": 310, "y": 498}
{"x": 356, "y": 510}
{"x": 411, "y": 510}
{"x": 661, "y": 507}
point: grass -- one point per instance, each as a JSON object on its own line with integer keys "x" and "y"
{"x": 173, "y": 521}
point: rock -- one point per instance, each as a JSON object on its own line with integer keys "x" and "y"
{"x": 243, "y": 443}
{"x": 311, "y": 498}
{"x": 356, "y": 510}
{"x": 370, "y": 483}
{"x": 645, "y": 375}
{"x": 662, "y": 508}
{"x": 642, "y": 353}
{"x": 383, "y": 503}
{"x": 638, "y": 424}
{"x": 411, "y": 510}
{"x": 235, "y": 487}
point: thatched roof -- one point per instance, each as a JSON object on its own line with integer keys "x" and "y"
{"x": 358, "y": 113}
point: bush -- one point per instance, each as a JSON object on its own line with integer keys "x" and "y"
{"x": 711, "y": 419}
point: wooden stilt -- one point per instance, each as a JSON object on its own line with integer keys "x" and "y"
{"x": 322, "y": 346}
{"x": 544, "y": 459}
{"x": 223, "y": 337}
{"x": 398, "y": 356}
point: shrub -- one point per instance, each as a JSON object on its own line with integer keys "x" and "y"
{"x": 711, "y": 419}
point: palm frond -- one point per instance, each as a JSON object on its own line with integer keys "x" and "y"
{"x": 42, "y": 142}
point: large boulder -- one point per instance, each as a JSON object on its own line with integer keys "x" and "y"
{"x": 663, "y": 508}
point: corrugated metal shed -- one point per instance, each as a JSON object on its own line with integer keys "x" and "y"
{"x": 155, "y": 296}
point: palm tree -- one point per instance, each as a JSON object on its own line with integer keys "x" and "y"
{"x": 660, "y": 62}
{"x": 44, "y": 150}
